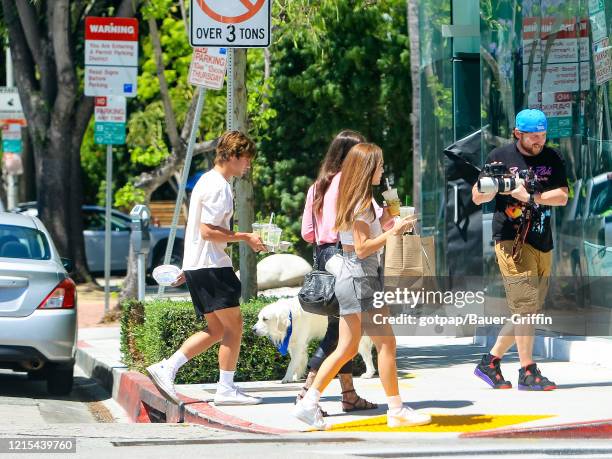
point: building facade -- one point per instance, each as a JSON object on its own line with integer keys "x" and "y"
{"x": 482, "y": 61}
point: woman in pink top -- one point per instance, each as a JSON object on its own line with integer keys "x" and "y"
{"x": 321, "y": 203}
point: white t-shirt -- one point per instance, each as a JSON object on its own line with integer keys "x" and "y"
{"x": 346, "y": 237}
{"x": 212, "y": 202}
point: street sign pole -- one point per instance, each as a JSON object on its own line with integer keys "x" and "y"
{"x": 184, "y": 178}
{"x": 11, "y": 192}
{"x": 229, "y": 110}
{"x": 107, "y": 226}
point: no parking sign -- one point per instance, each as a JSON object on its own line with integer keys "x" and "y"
{"x": 230, "y": 23}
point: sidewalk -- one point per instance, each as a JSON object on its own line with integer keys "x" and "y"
{"x": 436, "y": 376}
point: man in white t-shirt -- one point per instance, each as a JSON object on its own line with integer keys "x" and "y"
{"x": 207, "y": 269}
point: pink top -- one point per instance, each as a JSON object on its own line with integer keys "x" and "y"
{"x": 325, "y": 222}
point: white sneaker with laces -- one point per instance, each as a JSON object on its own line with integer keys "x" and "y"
{"x": 311, "y": 416}
{"x": 407, "y": 417}
{"x": 235, "y": 396}
{"x": 162, "y": 376}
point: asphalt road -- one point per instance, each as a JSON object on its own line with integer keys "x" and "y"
{"x": 100, "y": 430}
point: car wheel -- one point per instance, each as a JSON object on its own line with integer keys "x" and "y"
{"x": 60, "y": 379}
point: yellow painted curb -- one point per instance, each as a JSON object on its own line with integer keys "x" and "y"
{"x": 441, "y": 423}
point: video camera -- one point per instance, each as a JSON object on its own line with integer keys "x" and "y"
{"x": 496, "y": 178}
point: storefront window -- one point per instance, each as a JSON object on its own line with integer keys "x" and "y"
{"x": 556, "y": 56}
{"x": 436, "y": 115}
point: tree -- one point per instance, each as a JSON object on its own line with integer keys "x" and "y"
{"x": 46, "y": 42}
{"x": 415, "y": 116}
{"x": 341, "y": 64}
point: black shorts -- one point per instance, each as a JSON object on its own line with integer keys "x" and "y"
{"x": 212, "y": 289}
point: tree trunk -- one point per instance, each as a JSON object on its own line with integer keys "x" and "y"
{"x": 43, "y": 54}
{"x": 415, "y": 116}
{"x": 245, "y": 211}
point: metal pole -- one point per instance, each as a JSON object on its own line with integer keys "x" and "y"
{"x": 141, "y": 276}
{"x": 107, "y": 227}
{"x": 184, "y": 177}
{"x": 11, "y": 192}
{"x": 229, "y": 112}
{"x": 607, "y": 110}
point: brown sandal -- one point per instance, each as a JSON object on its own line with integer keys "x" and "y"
{"x": 300, "y": 397}
{"x": 358, "y": 405}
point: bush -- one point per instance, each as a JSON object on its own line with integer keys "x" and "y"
{"x": 156, "y": 330}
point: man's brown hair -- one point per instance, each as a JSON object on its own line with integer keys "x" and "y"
{"x": 234, "y": 143}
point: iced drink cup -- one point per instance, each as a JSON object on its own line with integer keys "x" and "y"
{"x": 393, "y": 201}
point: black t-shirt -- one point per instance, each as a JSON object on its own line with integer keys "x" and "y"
{"x": 549, "y": 168}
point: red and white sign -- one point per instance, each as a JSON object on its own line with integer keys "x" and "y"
{"x": 208, "y": 67}
{"x": 11, "y": 111}
{"x": 110, "y": 109}
{"x": 230, "y": 23}
{"x": 111, "y": 56}
{"x": 602, "y": 60}
{"x": 11, "y": 132}
{"x": 557, "y": 78}
{"x": 568, "y": 45}
{"x": 12, "y": 164}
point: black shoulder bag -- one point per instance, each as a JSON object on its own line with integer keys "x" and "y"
{"x": 317, "y": 294}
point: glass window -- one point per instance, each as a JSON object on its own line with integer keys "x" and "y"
{"x": 20, "y": 242}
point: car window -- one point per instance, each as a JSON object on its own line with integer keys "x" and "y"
{"x": 20, "y": 242}
{"x": 93, "y": 221}
{"x": 601, "y": 199}
{"x": 119, "y": 224}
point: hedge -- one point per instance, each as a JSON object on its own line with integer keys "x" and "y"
{"x": 155, "y": 330}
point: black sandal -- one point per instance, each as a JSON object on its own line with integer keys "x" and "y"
{"x": 300, "y": 397}
{"x": 360, "y": 404}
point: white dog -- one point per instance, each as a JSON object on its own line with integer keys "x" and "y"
{"x": 273, "y": 322}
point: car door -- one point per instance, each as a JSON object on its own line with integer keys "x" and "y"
{"x": 120, "y": 230}
{"x": 93, "y": 233}
{"x": 94, "y": 222}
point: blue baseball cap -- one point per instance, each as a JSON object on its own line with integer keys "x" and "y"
{"x": 531, "y": 120}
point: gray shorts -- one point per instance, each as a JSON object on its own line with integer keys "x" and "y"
{"x": 357, "y": 281}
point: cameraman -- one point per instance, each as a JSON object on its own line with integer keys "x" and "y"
{"x": 526, "y": 274}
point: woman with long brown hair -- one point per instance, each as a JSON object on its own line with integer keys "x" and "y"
{"x": 360, "y": 222}
{"x": 318, "y": 224}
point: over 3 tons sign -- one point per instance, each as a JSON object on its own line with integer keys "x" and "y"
{"x": 230, "y": 23}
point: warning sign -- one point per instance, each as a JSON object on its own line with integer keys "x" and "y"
{"x": 230, "y": 23}
{"x": 208, "y": 66}
{"x": 111, "y": 56}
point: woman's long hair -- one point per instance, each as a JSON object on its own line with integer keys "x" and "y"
{"x": 355, "y": 193}
{"x": 332, "y": 163}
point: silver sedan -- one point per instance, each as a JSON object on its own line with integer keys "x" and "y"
{"x": 38, "y": 304}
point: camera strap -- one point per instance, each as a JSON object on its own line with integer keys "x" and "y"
{"x": 521, "y": 235}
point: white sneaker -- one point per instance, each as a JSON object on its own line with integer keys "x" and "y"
{"x": 162, "y": 376}
{"x": 311, "y": 416}
{"x": 235, "y": 396}
{"x": 407, "y": 417}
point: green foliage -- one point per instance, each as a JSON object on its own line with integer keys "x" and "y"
{"x": 155, "y": 330}
{"x": 167, "y": 324}
{"x": 335, "y": 65}
{"x": 343, "y": 64}
{"x": 128, "y": 196}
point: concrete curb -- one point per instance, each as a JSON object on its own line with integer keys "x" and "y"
{"x": 591, "y": 429}
{"x": 143, "y": 403}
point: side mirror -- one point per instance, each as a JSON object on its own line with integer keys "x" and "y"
{"x": 68, "y": 264}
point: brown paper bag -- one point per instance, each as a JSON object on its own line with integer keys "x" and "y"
{"x": 408, "y": 259}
